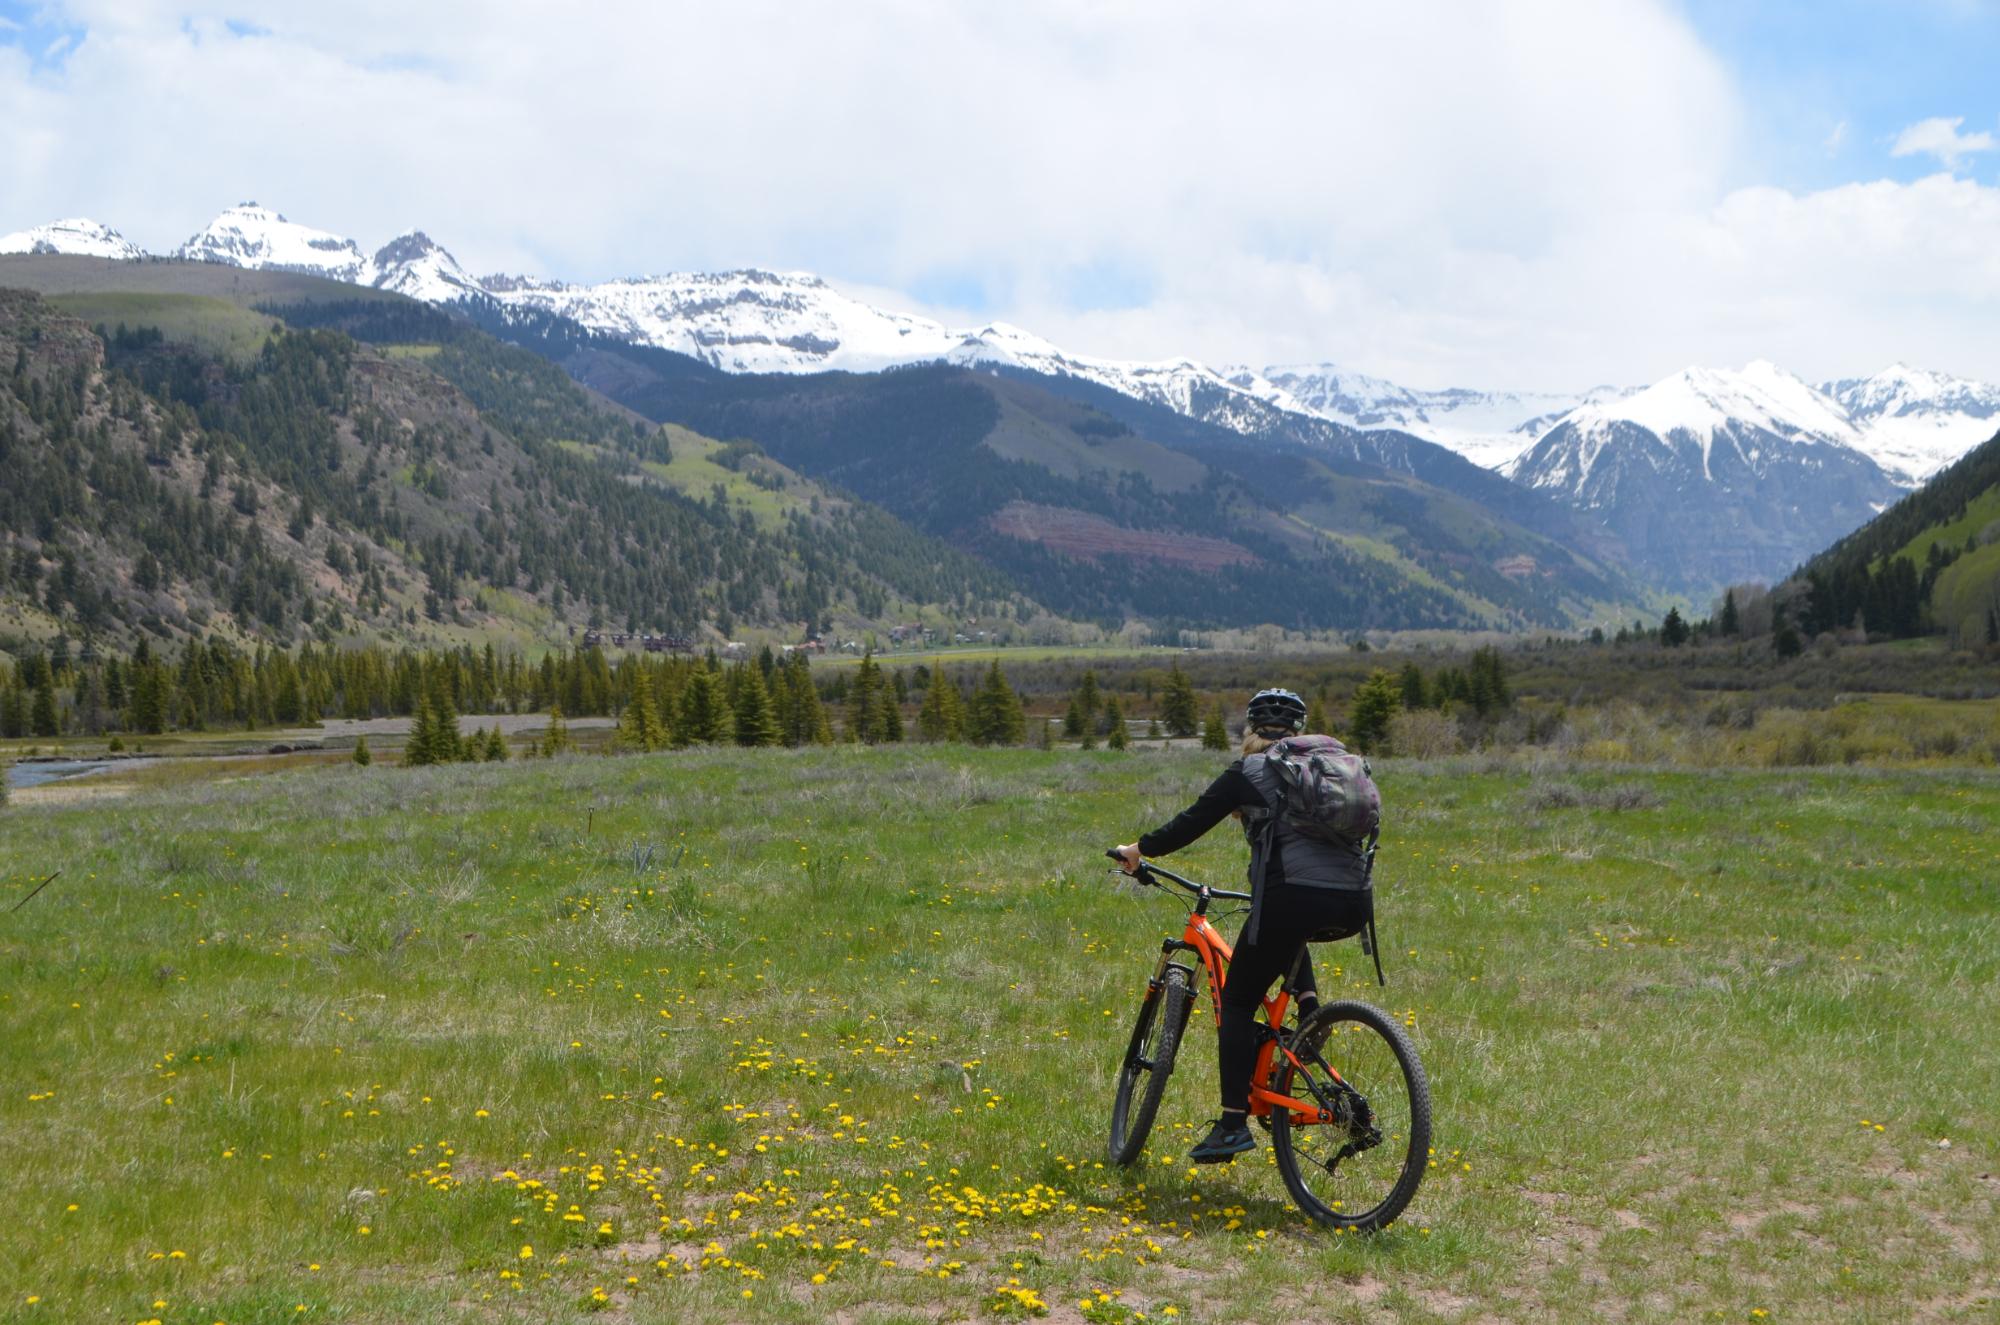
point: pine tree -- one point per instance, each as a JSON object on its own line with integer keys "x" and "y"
{"x": 1730, "y": 623}
{"x": 556, "y": 740}
{"x": 1114, "y": 715}
{"x": 704, "y": 719}
{"x": 1215, "y": 731}
{"x": 1177, "y": 703}
{"x": 420, "y": 746}
{"x": 995, "y": 716}
{"x": 45, "y": 719}
{"x": 864, "y": 707}
{"x": 1415, "y": 694}
{"x": 802, "y": 718}
{"x": 446, "y": 747}
{"x": 496, "y": 746}
{"x": 1785, "y": 640}
{"x": 1673, "y": 630}
{"x": 942, "y": 717}
{"x": 361, "y": 755}
{"x": 889, "y": 718}
{"x": 1376, "y": 701}
{"x": 1316, "y": 718}
{"x": 639, "y": 726}
{"x": 755, "y": 723}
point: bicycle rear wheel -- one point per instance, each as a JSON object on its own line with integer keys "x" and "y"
{"x": 1359, "y": 1167}
{"x": 1149, "y": 1061}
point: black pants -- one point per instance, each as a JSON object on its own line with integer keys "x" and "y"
{"x": 1290, "y": 915}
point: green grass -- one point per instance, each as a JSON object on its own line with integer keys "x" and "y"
{"x": 411, "y": 351}
{"x": 216, "y": 325}
{"x": 351, "y": 1039}
{"x": 1981, "y": 511}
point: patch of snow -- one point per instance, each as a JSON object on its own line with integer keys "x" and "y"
{"x": 75, "y": 235}
{"x": 248, "y": 235}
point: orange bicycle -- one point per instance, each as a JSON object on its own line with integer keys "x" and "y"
{"x": 1352, "y": 1143}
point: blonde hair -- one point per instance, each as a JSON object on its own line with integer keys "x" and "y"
{"x": 1255, "y": 743}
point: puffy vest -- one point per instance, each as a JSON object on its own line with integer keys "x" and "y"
{"x": 1307, "y": 861}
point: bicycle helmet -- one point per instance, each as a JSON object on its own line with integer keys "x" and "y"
{"x": 1276, "y": 710}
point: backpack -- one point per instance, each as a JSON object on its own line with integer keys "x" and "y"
{"x": 1326, "y": 792}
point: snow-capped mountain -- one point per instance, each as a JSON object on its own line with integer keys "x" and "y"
{"x": 1721, "y": 438}
{"x": 1711, "y": 475}
{"x": 414, "y": 264}
{"x": 77, "y": 235}
{"x": 1489, "y": 428}
{"x": 1914, "y": 421}
{"x": 247, "y": 235}
{"x": 740, "y": 321}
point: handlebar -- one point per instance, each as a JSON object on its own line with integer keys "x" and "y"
{"x": 1151, "y": 874}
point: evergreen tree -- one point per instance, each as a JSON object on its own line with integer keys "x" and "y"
{"x": 994, "y": 717}
{"x": 1316, "y": 717}
{"x": 446, "y": 748}
{"x": 556, "y": 740}
{"x": 1215, "y": 731}
{"x": 755, "y": 723}
{"x": 496, "y": 746}
{"x": 639, "y": 727}
{"x": 45, "y": 719}
{"x": 942, "y": 717}
{"x": 889, "y": 721}
{"x": 420, "y": 746}
{"x": 1673, "y": 630}
{"x": 1376, "y": 701}
{"x": 1114, "y": 715}
{"x": 704, "y": 718}
{"x": 1730, "y": 623}
{"x": 361, "y": 755}
{"x": 864, "y": 706}
{"x": 1785, "y": 640}
{"x": 1177, "y": 703}
{"x": 1415, "y": 694}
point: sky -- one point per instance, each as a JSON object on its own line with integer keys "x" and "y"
{"x": 1537, "y": 194}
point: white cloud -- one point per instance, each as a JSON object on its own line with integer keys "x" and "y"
{"x": 1531, "y": 193}
{"x": 1939, "y": 137}
{"x": 1836, "y": 138}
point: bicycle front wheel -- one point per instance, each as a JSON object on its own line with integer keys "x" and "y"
{"x": 1149, "y": 1061}
{"x": 1360, "y": 1164}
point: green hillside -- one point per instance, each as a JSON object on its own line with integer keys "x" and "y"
{"x": 1928, "y": 564}
{"x": 179, "y": 464}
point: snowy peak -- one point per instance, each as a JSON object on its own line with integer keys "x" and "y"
{"x": 1900, "y": 391}
{"x": 75, "y": 235}
{"x": 747, "y": 321}
{"x": 414, "y": 264}
{"x": 1489, "y": 428}
{"x": 1918, "y": 421}
{"x": 1700, "y": 403}
{"x": 248, "y": 235}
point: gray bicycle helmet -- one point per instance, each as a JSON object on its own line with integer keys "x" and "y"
{"x": 1276, "y": 710}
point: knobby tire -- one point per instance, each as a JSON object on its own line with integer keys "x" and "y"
{"x": 1149, "y": 1061}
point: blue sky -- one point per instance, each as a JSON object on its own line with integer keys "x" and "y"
{"x": 1808, "y": 67}
{"x": 1530, "y": 193}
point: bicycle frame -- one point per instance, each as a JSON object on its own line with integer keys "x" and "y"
{"x": 1206, "y": 942}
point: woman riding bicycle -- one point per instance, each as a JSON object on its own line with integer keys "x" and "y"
{"x": 1301, "y": 888}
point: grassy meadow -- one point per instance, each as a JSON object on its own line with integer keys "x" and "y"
{"x": 830, "y": 1035}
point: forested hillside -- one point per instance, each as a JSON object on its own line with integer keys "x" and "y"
{"x": 313, "y": 487}
{"x": 1104, "y": 506}
{"x": 1928, "y": 564}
